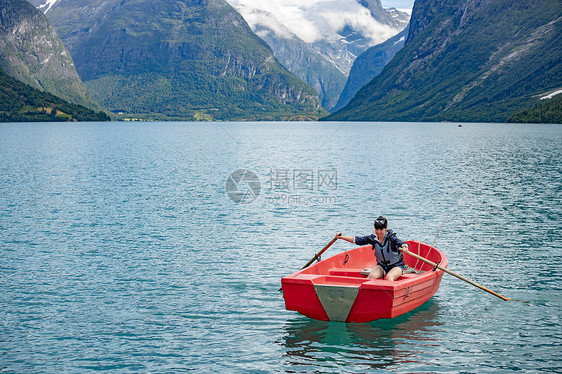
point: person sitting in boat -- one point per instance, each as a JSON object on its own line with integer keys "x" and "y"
{"x": 385, "y": 244}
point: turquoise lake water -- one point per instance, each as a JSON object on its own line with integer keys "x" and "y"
{"x": 125, "y": 248}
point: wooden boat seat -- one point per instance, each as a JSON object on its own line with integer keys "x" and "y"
{"x": 361, "y": 273}
{"x": 346, "y": 272}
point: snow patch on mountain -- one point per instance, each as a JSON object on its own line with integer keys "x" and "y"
{"x": 403, "y": 10}
{"x": 47, "y": 5}
{"x": 400, "y": 40}
{"x": 551, "y": 95}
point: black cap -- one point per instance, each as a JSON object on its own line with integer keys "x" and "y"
{"x": 381, "y": 223}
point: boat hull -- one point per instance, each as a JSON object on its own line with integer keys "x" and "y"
{"x": 335, "y": 290}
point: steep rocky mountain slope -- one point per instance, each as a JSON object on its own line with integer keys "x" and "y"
{"x": 182, "y": 59}
{"x": 319, "y": 41}
{"x": 31, "y": 52}
{"x": 368, "y": 65}
{"x": 306, "y": 63}
{"x": 467, "y": 60}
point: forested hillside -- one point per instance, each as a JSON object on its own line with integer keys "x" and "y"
{"x": 20, "y": 102}
{"x": 32, "y": 52}
{"x": 549, "y": 111}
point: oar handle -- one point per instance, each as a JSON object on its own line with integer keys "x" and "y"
{"x": 452, "y": 273}
{"x": 322, "y": 251}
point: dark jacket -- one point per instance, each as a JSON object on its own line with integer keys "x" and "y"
{"x": 387, "y": 253}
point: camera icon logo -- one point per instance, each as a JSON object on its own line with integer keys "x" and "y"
{"x": 243, "y": 186}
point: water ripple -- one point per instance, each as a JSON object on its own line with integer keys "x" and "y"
{"x": 122, "y": 252}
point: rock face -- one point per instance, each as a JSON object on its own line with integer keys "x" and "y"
{"x": 325, "y": 62}
{"x": 368, "y": 65}
{"x": 467, "y": 60}
{"x": 31, "y": 52}
{"x": 390, "y": 17}
{"x": 306, "y": 63}
{"x": 181, "y": 59}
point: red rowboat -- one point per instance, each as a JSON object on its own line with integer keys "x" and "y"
{"x": 337, "y": 288}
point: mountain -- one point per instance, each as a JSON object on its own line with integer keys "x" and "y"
{"x": 368, "y": 65}
{"x": 31, "y": 52}
{"x": 302, "y": 59}
{"x": 20, "y": 102}
{"x": 181, "y": 59}
{"x": 548, "y": 111}
{"x": 390, "y": 16}
{"x": 308, "y": 64}
{"x": 318, "y": 41}
{"x": 467, "y": 60}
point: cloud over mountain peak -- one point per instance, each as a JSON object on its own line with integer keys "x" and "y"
{"x": 314, "y": 20}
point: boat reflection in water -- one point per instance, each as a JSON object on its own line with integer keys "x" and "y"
{"x": 377, "y": 345}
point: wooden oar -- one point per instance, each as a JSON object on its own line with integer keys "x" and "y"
{"x": 454, "y": 274}
{"x": 317, "y": 256}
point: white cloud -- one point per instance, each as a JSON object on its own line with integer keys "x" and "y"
{"x": 315, "y": 19}
{"x": 282, "y": 20}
